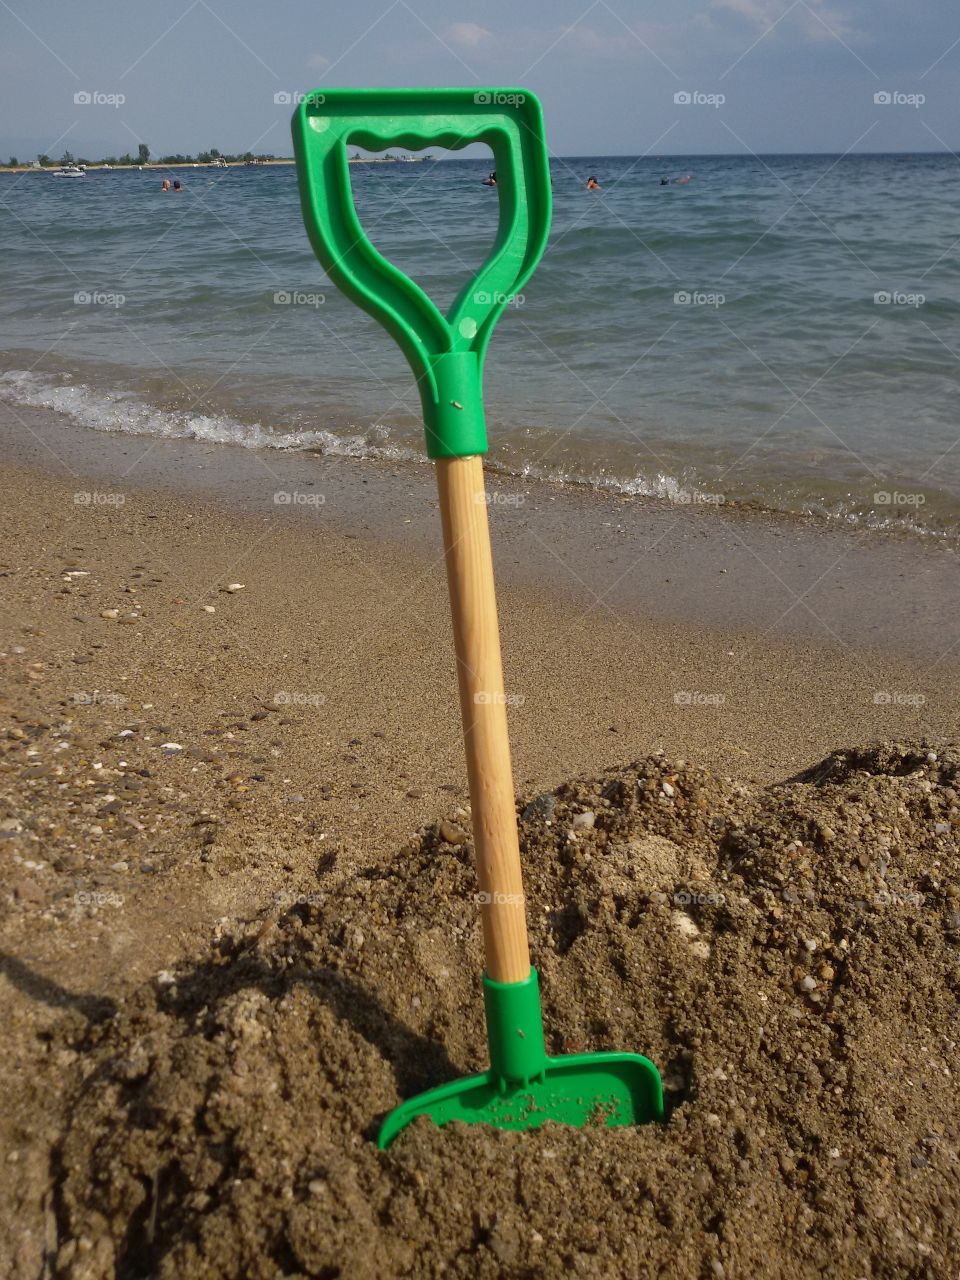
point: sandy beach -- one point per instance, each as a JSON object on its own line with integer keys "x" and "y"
{"x": 336, "y": 944}
{"x": 217, "y": 703}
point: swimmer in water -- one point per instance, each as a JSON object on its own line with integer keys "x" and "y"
{"x": 491, "y": 179}
{"x": 682, "y": 182}
{"x": 165, "y": 186}
{"x": 664, "y": 182}
{"x": 176, "y": 185}
{"x": 593, "y": 185}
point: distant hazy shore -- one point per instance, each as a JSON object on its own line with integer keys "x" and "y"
{"x": 196, "y": 164}
{"x": 137, "y": 168}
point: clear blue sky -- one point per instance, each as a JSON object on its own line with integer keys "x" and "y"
{"x": 796, "y": 75}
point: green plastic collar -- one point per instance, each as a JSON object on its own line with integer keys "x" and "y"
{"x": 515, "y": 1030}
{"x": 446, "y": 353}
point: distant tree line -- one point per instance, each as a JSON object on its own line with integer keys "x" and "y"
{"x": 143, "y": 157}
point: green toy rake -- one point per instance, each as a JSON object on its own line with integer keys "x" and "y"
{"x": 523, "y": 1087}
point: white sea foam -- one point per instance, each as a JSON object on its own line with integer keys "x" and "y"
{"x": 125, "y": 412}
{"x": 660, "y": 485}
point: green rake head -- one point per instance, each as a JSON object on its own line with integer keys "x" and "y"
{"x": 445, "y": 352}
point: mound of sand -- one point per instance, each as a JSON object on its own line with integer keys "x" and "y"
{"x": 788, "y": 956}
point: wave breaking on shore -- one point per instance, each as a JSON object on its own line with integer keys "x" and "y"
{"x": 127, "y": 412}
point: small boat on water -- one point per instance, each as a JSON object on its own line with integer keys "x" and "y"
{"x": 70, "y": 171}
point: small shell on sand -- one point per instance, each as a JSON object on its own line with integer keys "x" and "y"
{"x": 234, "y": 586}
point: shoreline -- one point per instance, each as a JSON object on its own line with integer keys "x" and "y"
{"x": 729, "y": 567}
{"x": 684, "y": 482}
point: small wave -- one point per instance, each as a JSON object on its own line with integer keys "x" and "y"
{"x": 124, "y": 412}
{"x": 684, "y": 492}
{"x": 660, "y": 485}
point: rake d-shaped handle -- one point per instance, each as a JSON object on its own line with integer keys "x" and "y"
{"x": 446, "y": 354}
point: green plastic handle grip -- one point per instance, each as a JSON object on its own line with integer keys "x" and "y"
{"x": 446, "y": 353}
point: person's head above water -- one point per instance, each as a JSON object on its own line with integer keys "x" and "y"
{"x": 593, "y": 184}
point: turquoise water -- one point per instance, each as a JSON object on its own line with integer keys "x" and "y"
{"x": 782, "y": 380}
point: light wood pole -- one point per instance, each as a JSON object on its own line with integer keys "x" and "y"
{"x": 469, "y": 560}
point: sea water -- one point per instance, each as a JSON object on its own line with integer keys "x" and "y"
{"x": 779, "y": 330}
